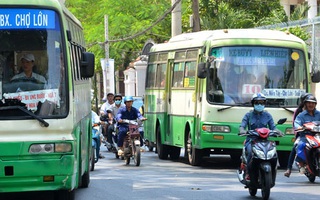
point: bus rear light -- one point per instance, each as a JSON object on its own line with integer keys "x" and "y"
{"x": 216, "y": 128}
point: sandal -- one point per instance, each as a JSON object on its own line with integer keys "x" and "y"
{"x": 287, "y": 173}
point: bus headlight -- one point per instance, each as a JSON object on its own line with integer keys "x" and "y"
{"x": 289, "y": 131}
{"x": 216, "y": 128}
{"x": 63, "y": 147}
{"x": 50, "y": 148}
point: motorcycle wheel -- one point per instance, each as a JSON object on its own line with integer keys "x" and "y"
{"x": 92, "y": 159}
{"x": 253, "y": 191}
{"x": 266, "y": 185}
{"x": 137, "y": 155}
{"x": 311, "y": 178}
{"x": 127, "y": 160}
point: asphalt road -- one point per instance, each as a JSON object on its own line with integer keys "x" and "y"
{"x": 157, "y": 179}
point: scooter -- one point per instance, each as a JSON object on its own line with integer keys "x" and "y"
{"x": 311, "y": 151}
{"x": 95, "y": 151}
{"x": 263, "y": 163}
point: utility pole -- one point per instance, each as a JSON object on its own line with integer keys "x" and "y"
{"x": 195, "y": 17}
{"x": 176, "y": 19}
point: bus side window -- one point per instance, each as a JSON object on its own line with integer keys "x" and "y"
{"x": 177, "y": 80}
{"x": 189, "y": 74}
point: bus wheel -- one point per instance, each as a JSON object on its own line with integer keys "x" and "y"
{"x": 85, "y": 179}
{"x": 174, "y": 152}
{"x": 161, "y": 148}
{"x": 64, "y": 195}
{"x": 194, "y": 155}
{"x": 92, "y": 159}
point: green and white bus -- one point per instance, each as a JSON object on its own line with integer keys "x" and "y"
{"x": 45, "y": 135}
{"x": 199, "y": 86}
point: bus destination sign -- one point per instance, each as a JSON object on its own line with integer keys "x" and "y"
{"x": 26, "y": 19}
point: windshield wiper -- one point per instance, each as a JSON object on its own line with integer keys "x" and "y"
{"x": 287, "y": 109}
{"x": 44, "y": 123}
{"x": 239, "y": 104}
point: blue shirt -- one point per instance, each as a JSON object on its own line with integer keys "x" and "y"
{"x": 253, "y": 120}
{"x": 124, "y": 113}
{"x": 305, "y": 117}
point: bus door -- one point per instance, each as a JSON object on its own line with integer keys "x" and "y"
{"x": 169, "y": 97}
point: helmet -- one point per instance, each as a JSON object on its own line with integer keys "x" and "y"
{"x": 310, "y": 98}
{"x": 110, "y": 93}
{"x": 303, "y": 97}
{"x": 258, "y": 97}
{"x": 117, "y": 95}
{"x": 127, "y": 98}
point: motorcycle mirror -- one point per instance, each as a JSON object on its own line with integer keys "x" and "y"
{"x": 282, "y": 121}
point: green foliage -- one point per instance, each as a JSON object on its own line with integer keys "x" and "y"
{"x": 299, "y": 32}
{"x": 126, "y": 18}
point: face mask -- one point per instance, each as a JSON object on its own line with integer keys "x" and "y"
{"x": 118, "y": 102}
{"x": 258, "y": 108}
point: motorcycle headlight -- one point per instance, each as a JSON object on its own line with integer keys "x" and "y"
{"x": 258, "y": 153}
{"x": 271, "y": 153}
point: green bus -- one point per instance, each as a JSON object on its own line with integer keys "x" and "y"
{"x": 45, "y": 136}
{"x": 199, "y": 86}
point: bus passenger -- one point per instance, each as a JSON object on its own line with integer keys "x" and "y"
{"x": 130, "y": 113}
{"x": 27, "y": 61}
{"x": 258, "y": 118}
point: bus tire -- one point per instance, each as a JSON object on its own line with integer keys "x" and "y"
{"x": 162, "y": 149}
{"x": 194, "y": 155}
{"x": 92, "y": 159}
{"x": 85, "y": 179}
{"x": 64, "y": 195}
{"x": 174, "y": 152}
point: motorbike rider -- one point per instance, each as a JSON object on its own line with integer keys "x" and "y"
{"x": 103, "y": 112}
{"x": 308, "y": 115}
{"x": 130, "y": 113}
{"x": 300, "y": 108}
{"x": 112, "y": 112}
{"x": 95, "y": 120}
{"x": 257, "y": 118}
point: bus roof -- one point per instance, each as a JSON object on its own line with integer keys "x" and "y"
{"x": 198, "y": 39}
{"x": 57, "y": 4}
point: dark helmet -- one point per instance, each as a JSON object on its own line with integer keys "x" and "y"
{"x": 258, "y": 97}
{"x": 303, "y": 97}
{"x": 110, "y": 93}
{"x": 310, "y": 98}
{"x": 117, "y": 95}
{"x": 127, "y": 98}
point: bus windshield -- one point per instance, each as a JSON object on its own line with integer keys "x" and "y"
{"x": 32, "y": 73}
{"x": 236, "y": 73}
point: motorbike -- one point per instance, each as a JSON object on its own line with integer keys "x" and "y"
{"x": 111, "y": 146}
{"x": 95, "y": 151}
{"x": 263, "y": 162}
{"x": 311, "y": 131}
{"x": 131, "y": 142}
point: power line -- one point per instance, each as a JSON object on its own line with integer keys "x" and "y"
{"x": 142, "y": 32}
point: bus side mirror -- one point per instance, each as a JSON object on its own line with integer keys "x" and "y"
{"x": 315, "y": 78}
{"x": 87, "y": 65}
{"x": 202, "y": 71}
